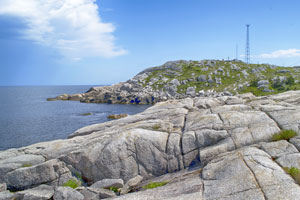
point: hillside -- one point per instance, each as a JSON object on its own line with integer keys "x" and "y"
{"x": 181, "y": 79}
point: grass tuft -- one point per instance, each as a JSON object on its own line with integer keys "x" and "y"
{"x": 284, "y": 135}
{"x": 294, "y": 172}
{"x": 155, "y": 185}
{"x": 71, "y": 183}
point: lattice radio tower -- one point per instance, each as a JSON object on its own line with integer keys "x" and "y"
{"x": 247, "y": 54}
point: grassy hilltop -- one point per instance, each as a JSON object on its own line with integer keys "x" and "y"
{"x": 233, "y": 76}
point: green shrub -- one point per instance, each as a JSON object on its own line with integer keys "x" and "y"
{"x": 155, "y": 184}
{"x": 71, "y": 183}
{"x": 284, "y": 135}
{"x": 253, "y": 83}
{"x": 294, "y": 172}
{"x": 290, "y": 81}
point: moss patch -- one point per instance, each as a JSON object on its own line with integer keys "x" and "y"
{"x": 284, "y": 135}
{"x": 26, "y": 165}
{"x": 152, "y": 185}
{"x": 156, "y": 127}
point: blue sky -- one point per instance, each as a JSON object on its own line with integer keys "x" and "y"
{"x": 81, "y": 42}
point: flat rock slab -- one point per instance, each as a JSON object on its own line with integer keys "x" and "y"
{"x": 250, "y": 173}
{"x": 107, "y": 183}
{"x": 6, "y": 195}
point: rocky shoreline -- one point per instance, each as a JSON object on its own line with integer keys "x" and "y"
{"x": 195, "y": 148}
{"x": 182, "y": 79}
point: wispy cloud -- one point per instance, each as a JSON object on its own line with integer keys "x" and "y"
{"x": 74, "y": 27}
{"x": 287, "y": 53}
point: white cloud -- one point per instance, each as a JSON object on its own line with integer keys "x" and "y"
{"x": 74, "y": 27}
{"x": 288, "y": 53}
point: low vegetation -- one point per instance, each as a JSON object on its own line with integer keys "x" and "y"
{"x": 114, "y": 189}
{"x": 235, "y": 77}
{"x": 284, "y": 135}
{"x": 156, "y": 127}
{"x": 294, "y": 172}
{"x": 26, "y": 165}
{"x": 71, "y": 183}
{"x": 86, "y": 114}
{"x": 152, "y": 185}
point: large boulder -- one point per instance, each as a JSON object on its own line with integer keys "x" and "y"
{"x": 50, "y": 172}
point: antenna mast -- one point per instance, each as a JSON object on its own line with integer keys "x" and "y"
{"x": 247, "y": 54}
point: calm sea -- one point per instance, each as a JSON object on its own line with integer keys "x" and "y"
{"x": 27, "y": 118}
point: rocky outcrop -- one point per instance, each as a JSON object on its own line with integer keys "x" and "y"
{"x": 182, "y": 79}
{"x": 203, "y": 147}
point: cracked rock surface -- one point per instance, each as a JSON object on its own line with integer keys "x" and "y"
{"x": 204, "y": 147}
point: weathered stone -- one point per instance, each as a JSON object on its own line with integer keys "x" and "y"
{"x": 131, "y": 184}
{"x": 66, "y": 193}
{"x": 175, "y": 82}
{"x": 107, "y": 183}
{"x": 42, "y": 192}
{"x": 289, "y": 160}
{"x": 262, "y": 83}
{"x": 89, "y": 193}
{"x": 191, "y": 91}
{"x": 201, "y": 78}
{"x": 6, "y": 195}
{"x": 188, "y": 142}
{"x": 104, "y": 193}
{"x": 279, "y": 148}
{"x": 207, "y": 137}
{"x": 198, "y": 121}
{"x": 248, "y": 173}
{"x": 27, "y": 177}
{"x": 3, "y": 187}
{"x": 175, "y": 159}
{"x": 207, "y": 102}
{"x": 191, "y": 158}
{"x": 26, "y": 159}
{"x": 180, "y": 185}
{"x": 208, "y": 153}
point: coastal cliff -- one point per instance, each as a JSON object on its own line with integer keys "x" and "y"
{"x": 182, "y": 79}
{"x": 193, "y": 148}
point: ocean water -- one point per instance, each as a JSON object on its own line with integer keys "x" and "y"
{"x": 27, "y": 118}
